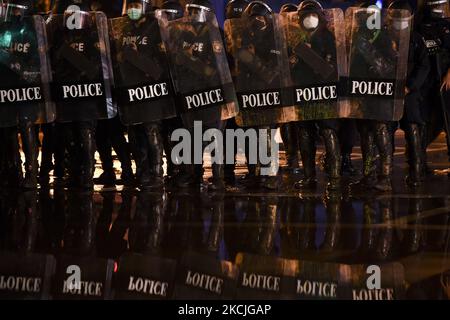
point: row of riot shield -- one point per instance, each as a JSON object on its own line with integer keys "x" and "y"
{"x": 25, "y": 73}
{"x": 352, "y": 67}
{"x": 54, "y": 69}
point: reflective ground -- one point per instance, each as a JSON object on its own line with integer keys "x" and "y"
{"x": 243, "y": 243}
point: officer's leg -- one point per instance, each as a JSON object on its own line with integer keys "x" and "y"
{"x": 413, "y": 135}
{"x": 347, "y": 137}
{"x": 86, "y": 131}
{"x": 3, "y": 169}
{"x": 368, "y": 154}
{"x": 120, "y": 145}
{"x": 289, "y": 135}
{"x": 12, "y": 162}
{"x": 229, "y": 168}
{"x": 168, "y": 127}
{"x": 29, "y": 146}
{"x": 383, "y": 140}
{"x": 217, "y": 181}
{"x": 253, "y": 165}
{"x": 155, "y": 154}
{"x": 74, "y": 152}
{"x": 104, "y": 148}
{"x": 138, "y": 143}
{"x": 62, "y": 138}
{"x": 269, "y": 172}
{"x": 426, "y": 169}
{"x": 48, "y": 149}
{"x": 307, "y": 144}
{"x": 192, "y": 175}
{"x": 328, "y": 131}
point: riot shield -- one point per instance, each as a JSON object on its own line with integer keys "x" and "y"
{"x": 141, "y": 71}
{"x": 199, "y": 68}
{"x": 25, "y": 76}
{"x": 258, "y": 49}
{"x": 377, "y": 64}
{"x": 81, "y": 66}
{"x": 317, "y": 61}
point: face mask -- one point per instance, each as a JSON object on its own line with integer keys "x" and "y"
{"x": 401, "y": 25}
{"x": 134, "y": 13}
{"x": 311, "y": 22}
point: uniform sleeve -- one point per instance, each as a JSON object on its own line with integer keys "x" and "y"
{"x": 421, "y": 65}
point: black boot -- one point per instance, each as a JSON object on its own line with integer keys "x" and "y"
{"x": 127, "y": 176}
{"x": 107, "y": 178}
{"x": 269, "y": 172}
{"x": 414, "y": 140}
{"x": 47, "y": 150}
{"x": 252, "y": 177}
{"x": 308, "y": 154}
{"x": 155, "y": 156}
{"x": 29, "y": 146}
{"x": 290, "y": 142}
{"x": 383, "y": 139}
{"x": 332, "y": 159}
{"x": 426, "y": 168}
{"x": 217, "y": 182}
{"x": 189, "y": 178}
{"x": 368, "y": 154}
{"x": 87, "y": 145}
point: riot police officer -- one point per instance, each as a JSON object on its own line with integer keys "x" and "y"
{"x": 376, "y": 135}
{"x": 79, "y": 55}
{"x": 414, "y": 117}
{"x": 27, "y": 115}
{"x": 196, "y": 47}
{"x": 109, "y": 133}
{"x": 322, "y": 41}
{"x": 259, "y": 61}
{"x": 233, "y": 10}
{"x": 173, "y": 10}
{"x": 289, "y": 131}
{"x": 145, "y": 136}
{"x": 435, "y": 29}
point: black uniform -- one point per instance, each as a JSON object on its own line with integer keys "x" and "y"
{"x": 196, "y": 40}
{"x": 436, "y": 35}
{"x": 415, "y": 115}
{"x": 173, "y": 10}
{"x": 138, "y": 45}
{"x": 27, "y": 65}
{"x": 78, "y": 117}
{"x": 323, "y": 43}
{"x": 110, "y": 132}
{"x": 375, "y": 134}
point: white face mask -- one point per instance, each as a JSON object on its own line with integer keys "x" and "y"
{"x": 401, "y": 25}
{"x": 311, "y": 22}
{"x": 134, "y": 13}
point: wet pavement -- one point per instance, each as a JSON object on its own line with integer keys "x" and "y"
{"x": 243, "y": 243}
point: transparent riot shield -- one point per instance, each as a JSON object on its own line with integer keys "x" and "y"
{"x": 25, "y": 76}
{"x": 317, "y": 61}
{"x": 200, "y": 71}
{"x": 258, "y": 49}
{"x": 143, "y": 86}
{"x": 378, "y": 46}
{"x": 81, "y": 66}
